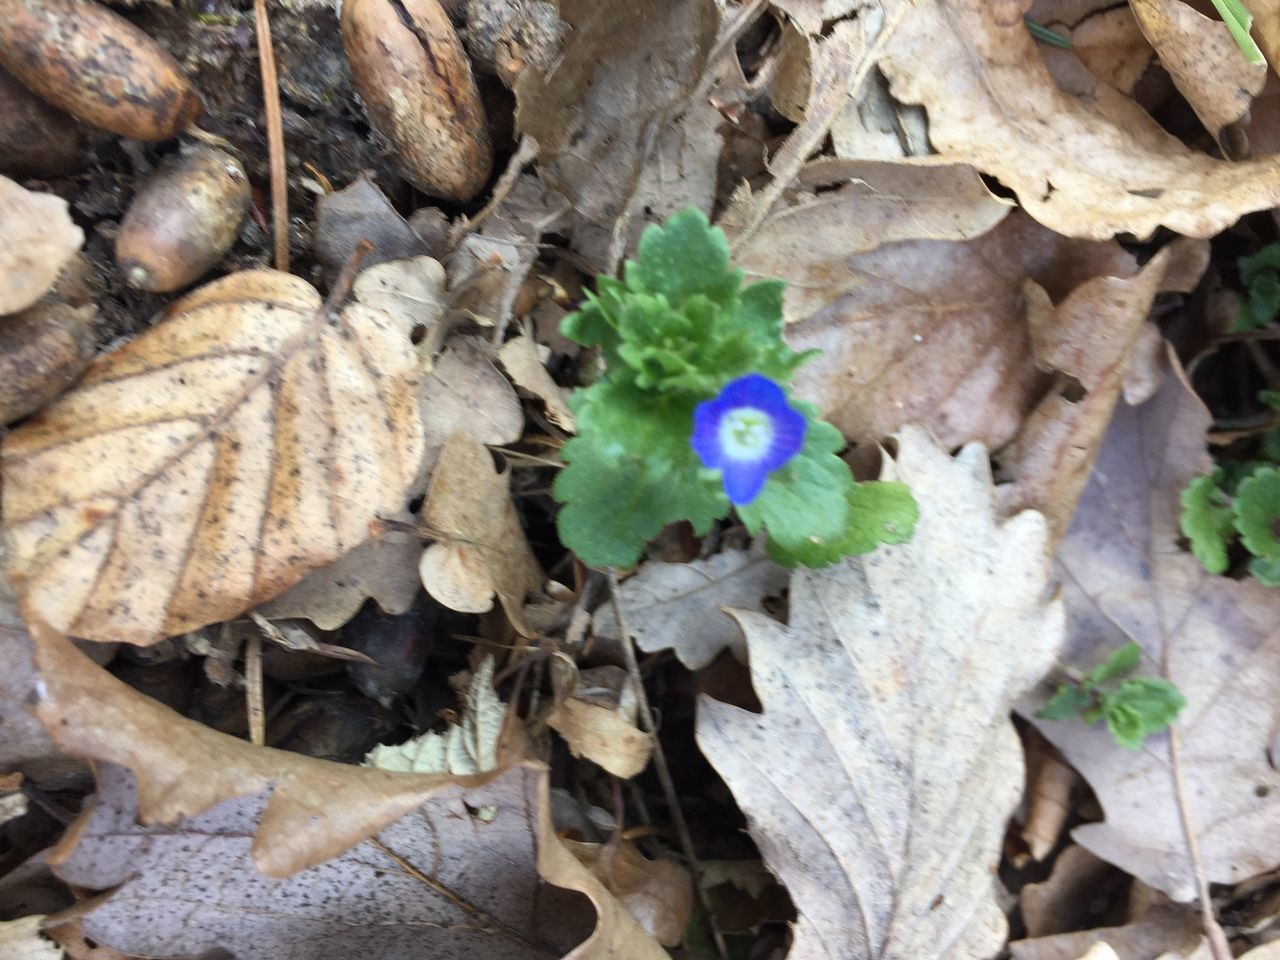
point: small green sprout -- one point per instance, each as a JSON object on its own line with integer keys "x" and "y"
{"x": 1239, "y": 21}
{"x": 1260, "y": 274}
{"x": 1214, "y": 517}
{"x": 1133, "y": 707}
{"x": 693, "y": 417}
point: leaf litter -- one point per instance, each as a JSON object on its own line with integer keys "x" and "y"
{"x": 1005, "y": 227}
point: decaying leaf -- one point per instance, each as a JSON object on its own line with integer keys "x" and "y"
{"x": 1164, "y": 933}
{"x": 465, "y": 748}
{"x": 893, "y": 680}
{"x": 411, "y": 292}
{"x": 465, "y": 392}
{"x": 682, "y": 605}
{"x": 21, "y": 940}
{"x": 658, "y": 893}
{"x": 360, "y": 211}
{"x": 482, "y": 549}
{"x": 283, "y": 815}
{"x": 1089, "y": 166}
{"x": 1203, "y": 59}
{"x": 1126, "y": 578}
{"x": 596, "y": 712}
{"x": 37, "y": 238}
{"x": 1108, "y": 41}
{"x": 519, "y": 356}
{"x": 1062, "y": 902}
{"x": 384, "y": 568}
{"x": 212, "y": 462}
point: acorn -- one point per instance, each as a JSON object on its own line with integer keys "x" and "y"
{"x": 97, "y": 66}
{"x": 36, "y": 139}
{"x": 182, "y": 221}
{"x": 43, "y": 351}
{"x": 416, "y": 83}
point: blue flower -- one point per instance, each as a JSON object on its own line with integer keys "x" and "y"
{"x": 747, "y": 431}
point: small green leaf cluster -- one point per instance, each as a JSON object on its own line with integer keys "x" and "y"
{"x": 1220, "y": 509}
{"x": 672, "y": 332}
{"x": 1133, "y": 707}
{"x": 1260, "y": 274}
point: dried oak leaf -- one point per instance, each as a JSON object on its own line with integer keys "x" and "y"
{"x": 37, "y": 238}
{"x": 681, "y": 606}
{"x": 1217, "y": 639}
{"x": 413, "y": 855}
{"x": 893, "y": 680}
{"x": 1085, "y": 166}
{"x": 212, "y": 462}
{"x": 595, "y": 711}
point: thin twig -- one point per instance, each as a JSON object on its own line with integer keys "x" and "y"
{"x": 1218, "y": 945}
{"x": 253, "y": 691}
{"x": 660, "y": 760}
{"x": 525, "y": 154}
{"x": 275, "y": 136}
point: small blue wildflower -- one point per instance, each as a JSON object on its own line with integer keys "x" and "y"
{"x": 747, "y": 431}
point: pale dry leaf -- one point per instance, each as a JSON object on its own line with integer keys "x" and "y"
{"x": 874, "y": 126}
{"x": 464, "y": 391}
{"x": 894, "y": 678}
{"x": 410, "y": 292}
{"x": 789, "y": 86}
{"x": 211, "y": 463}
{"x": 1050, "y": 785}
{"x": 1266, "y": 29}
{"x": 1083, "y": 166}
{"x": 1100, "y": 951}
{"x": 37, "y": 238}
{"x": 1202, "y": 57}
{"x": 314, "y": 810}
{"x": 809, "y": 15}
{"x": 21, "y": 940}
{"x": 1127, "y": 578}
{"x": 467, "y": 747}
{"x": 13, "y": 802}
{"x": 1112, "y": 46}
{"x": 681, "y": 606}
{"x": 384, "y": 568}
{"x": 482, "y": 549}
{"x": 658, "y": 893}
{"x": 1165, "y": 930}
{"x": 519, "y": 357}
{"x": 595, "y": 711}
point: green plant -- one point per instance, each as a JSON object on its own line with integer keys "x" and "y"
{"x": 1239, "y": 21}
{"x": 1213, "y": 518}
{"x": 693, "y": 417}
{"x": 1260, "y": 274}
{"x": 1133, "y": 707}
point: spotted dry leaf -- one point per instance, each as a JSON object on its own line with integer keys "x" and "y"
{"x": 209, "y": 464}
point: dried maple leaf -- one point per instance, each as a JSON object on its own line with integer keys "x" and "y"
{"x": 37, "y": 238}
{"x": 1085, "y": 166}
{"x": 209, "y": 464}
{"x": 1217, "y": 639}
{"x": 681, "y": 606}
{"x": 880, "y": 776}
{"x": 266, "y": 823}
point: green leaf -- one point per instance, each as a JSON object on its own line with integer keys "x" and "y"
{"x": 1140, "y": 707}
{"x": 683, "y": 258}
{"x": 1266, "y": 570}
{"x": 1267, "y": 258}
{"x": 1238, "y": 21}
{"x": 1257, "y": 509}
{"x": 1067, "y": 701}
{"x": 1123, "y": 661}
{"x": 1206, "y": 521}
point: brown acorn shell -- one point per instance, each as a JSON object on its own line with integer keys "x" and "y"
{"x": 183, "y": 220}
{"x": 417, "y": 86}
{"x": 97, "y": 66}
{"x": 43, "y": 351}
{"x": 36, "y": 139}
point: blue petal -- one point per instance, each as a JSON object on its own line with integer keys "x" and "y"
{"x": 743, "y": 481}
{"x": 789, "y": 428}
{"x": 706, "y": 432}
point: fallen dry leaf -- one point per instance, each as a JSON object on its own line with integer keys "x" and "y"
{"x": 464, "y": 392}
{"x": 1203, "y": 59}
{"x": 1111, "y": 45}
{"x": 681, "y": 606}
{"x": 1085, "y": 167}
{"x": 1061, "y": 903}
{"x": 1126, "y": 578}
{"x": 595, "y": 711}
{"x": 21, "y": 940}
{"x": 519, "y": 356}
{"x": 410, "y": 292}
{"x": 482, "y": 549}
{"x": 658, "y": 893}
{"x": 893, "y": 679}
{"x": 292, "y": 813}
{"x": 37, "y": 238}
{"x": 1165, "y": 933}
{"x": 210, "y": 463}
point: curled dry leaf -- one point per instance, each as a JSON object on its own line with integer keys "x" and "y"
{"x": 520, "y": 358}
{"x": 257, "y": 814}
{"x": 209, "y": 464}
{"x": 658, "y": 893}
{"x": 894, "y": 678}
{"x": 1111, "y": 45}
{"x": 596, "y": 712}
{"x": 464, "y": 392}
{"x": 1203, "y": 59}
{"x": 482, "y": 548}
{"x": 1060, "y": 903}
{"x": 1217, "y": 639}
{"x": 1084, "y": 166}
{"x": 37, "y": 238}
{"x": 682, "y": 606}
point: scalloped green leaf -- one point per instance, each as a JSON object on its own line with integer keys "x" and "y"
{"x": 1257, "y": 510}
{"x": 1207, "y": 521}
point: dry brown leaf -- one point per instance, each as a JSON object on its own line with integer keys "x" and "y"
{"x": 359, "y": 212}
{"x": 810, "y": 14}
{"x": 1063, "y": 901}
{"x": 1218, "y": 640}
{"x": 874, "y": 126}
{"x": 211, "y": 463}
{"x": 384, "y": 568}
{"x": 482, "y": 550}
{"x": 464, "y": 392}
{"x": 1083, "y": 166}
{"x": 410, "y": 292}
{"x": 519, "y": 356}
{"x": 314, "y": 811}
{"x": 1050, "y": 784}
{"x": 1266, "y": 29}
{"x": 893, "y": 680}
{"x": 681, "y": 606}
{"x": 658, "y": 893}
{"x": 1203, "y": 59}
{"x": 1167, "y": 930}
{"x": 37, "y": 238}
{"x": 596, "y": 713}
{"x": 1111, "y": 44}
{"x": 21, "y": 940}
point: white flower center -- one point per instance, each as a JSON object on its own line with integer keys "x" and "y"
{"x": 745, "y": 433}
